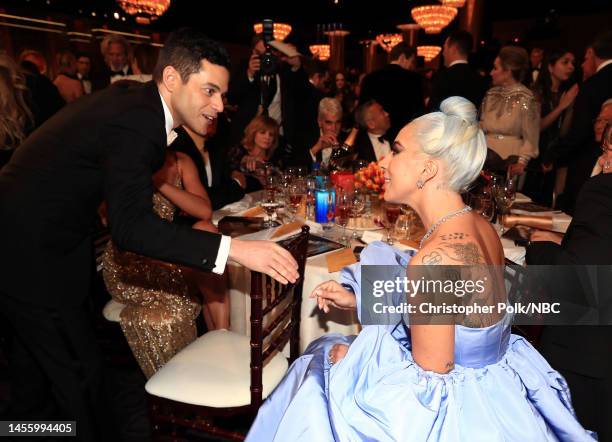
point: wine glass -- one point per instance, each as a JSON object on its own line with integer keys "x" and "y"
{"x": 392, "y": 212}
{"x": 505, "y": 194}
{"x": 483, "y": 203}
{"x": 269, "y": 204}
{"x": 357, "y": 208}
{"x": 343, "y": 207}
{"x": 403, "y": 226}
{"x": 296, "y": 195}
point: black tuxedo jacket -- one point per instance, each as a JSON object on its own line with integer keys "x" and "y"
{"x": 101, "y": 79}
{"x": 586, "y": 350}
{"x": 363, "y": 146}
{"x": 399, "y": 91}
{"x": 224, "y": 189}
{"x": 576, "y": 147}
{"x": 458, "y": 80}
{"x": 104, "y": 146}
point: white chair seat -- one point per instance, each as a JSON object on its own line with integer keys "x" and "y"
{"x": 112, "y": 310}
{"x": 213, "y": 371}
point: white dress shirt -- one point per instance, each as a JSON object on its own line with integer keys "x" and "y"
{"x": 381, "y": 149}
{"x": 224, "y": 245}
{"x": 458, "y": 62}
{"x": 603, "y": 65}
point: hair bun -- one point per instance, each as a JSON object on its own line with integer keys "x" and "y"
{"x": 461, "y": 108}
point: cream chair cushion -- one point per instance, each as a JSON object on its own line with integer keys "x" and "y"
{"x": 112, "y": 311}
{"x": 213, "y": 371}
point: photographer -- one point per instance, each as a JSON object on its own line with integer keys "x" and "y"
{"x": 277, "y": 95}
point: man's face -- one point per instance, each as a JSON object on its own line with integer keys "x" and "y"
{"x": 116, "y": 56}
{"x": 330, "y": 124}
{"x": 446, "y": 52}
{"x": 536, "y": 57}
{"x": 197, "y": 102}
{"x": 588, "y": 65}
{"x": 603, "y": 119}
{"x": 378, "y": 120}
{"x": 83, "y": 65}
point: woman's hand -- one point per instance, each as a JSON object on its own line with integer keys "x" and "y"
{"x": 568, "y": 97}
{"x": 331, "y": 293}
{"x": 545, "y": 235}
{"x": 250, "y": 162}
{"x": 337, "y": 353}
{"x": 605, "y": 162}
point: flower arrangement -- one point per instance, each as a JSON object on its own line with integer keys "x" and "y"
{"x": 371, "y": 179}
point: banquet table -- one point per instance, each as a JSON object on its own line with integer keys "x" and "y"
{"x": 314, "y": 323}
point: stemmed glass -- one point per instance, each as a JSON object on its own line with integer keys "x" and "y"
{"x": 357, "y": 208}
{"x": 296, "y": 194}
{"x": 343, "y": 207}
{"x": 269, "y": 204}
{"x": 505, "y": 194}
{"x": 387, "y": 219}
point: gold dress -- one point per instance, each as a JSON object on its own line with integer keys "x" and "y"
{"x": 510, "y": 119}
{"x": 159, "y": 314}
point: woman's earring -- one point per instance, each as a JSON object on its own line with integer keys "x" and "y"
{"x": 420, "y": 184}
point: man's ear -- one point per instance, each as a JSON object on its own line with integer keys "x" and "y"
{"x": 170, "y": 78}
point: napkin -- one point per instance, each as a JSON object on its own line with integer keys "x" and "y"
{"x": 336, "y": 261}
{"x": 287, "y": 229}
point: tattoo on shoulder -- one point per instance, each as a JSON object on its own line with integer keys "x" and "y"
{"x": 452, "y": 236}
{"x": 463, "y": 253}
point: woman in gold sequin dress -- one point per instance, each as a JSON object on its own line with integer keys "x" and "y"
{"x": 510, "y": 117}
{"x": 159, "y": 315}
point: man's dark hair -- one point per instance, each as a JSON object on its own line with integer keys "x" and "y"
{"x": 463, "y": 40}
{"x": 314, "y": 67}
{"x": 184, "y": 49}
{"x": 83, "y": 54}
{"x": 602, "y": 45}
{"x": 402, "y": 48}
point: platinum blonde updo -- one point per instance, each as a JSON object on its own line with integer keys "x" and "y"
{"x": 454, "y": 136}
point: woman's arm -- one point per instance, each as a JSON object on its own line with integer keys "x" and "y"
{"x": 567, "y": 99}
{"x": 193, "y": 199}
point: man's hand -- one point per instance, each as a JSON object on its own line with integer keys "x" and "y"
{"x": 254, "y": 65}
{"x": 545, "y": 235}
{"x": 331, "y": 293}
{"x": 265, "y": 257}
{"x": 325, "y": 141}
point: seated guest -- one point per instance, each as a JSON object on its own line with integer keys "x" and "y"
{"x": 583, "y": 354}
{"x": 67, "y": 83}
{"x": 212, "y": 164}
{"x": 371, "y": 143}
{"x": 414, "y": 382}
{"x": 458, "y": 78}
{"x": 115, "y": 50}
{"x": 83, "y": 70}
{"x": 510, "y": 116}
{"x": 329, "y": 119}
{"x": 143, "y": 63}
{"x": 159, "y": 315}
{"x": 258, "y": 146}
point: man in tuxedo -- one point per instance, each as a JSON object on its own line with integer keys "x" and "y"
{"x": 397, "y": 88}
{"x": 115, "y": 50}
{"x": 535, "y": 63}
{"x": 583, "y": 354}
{"x": 371, "y": 143}
{"x": 574, "y": 147}
{"x": 83, "y": 70}
{"x": 458, "y": 78}
{"x": 105, "y": 146}
{"x": 318, "y": 147}
{"x": 279, "y": 96}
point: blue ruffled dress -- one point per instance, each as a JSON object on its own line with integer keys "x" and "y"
{"x": 501, "y": 388}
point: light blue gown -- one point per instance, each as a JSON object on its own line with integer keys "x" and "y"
{"x": 501, "y": 389}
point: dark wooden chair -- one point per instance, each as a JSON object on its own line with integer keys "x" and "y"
{"x": 225, "y": 374}
{"x": 517, "y": 285}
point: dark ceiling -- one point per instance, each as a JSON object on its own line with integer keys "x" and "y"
{"x": 232, "y": 21}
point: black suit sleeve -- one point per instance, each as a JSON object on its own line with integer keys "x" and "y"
{"x": 130, "y": 164}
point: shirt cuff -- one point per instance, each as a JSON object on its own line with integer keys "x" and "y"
{"x": 222, "y": 254}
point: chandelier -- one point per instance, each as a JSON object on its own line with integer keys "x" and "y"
{"x": 433, "y": 18}
{"x": 281, "y": 30}
{"x": 320, "y": 52}
{"x": 428, "y": 52}
{"x": 387, "y": 41}
{"x": 453, "y": 3}
{"x": 145, "y": 10}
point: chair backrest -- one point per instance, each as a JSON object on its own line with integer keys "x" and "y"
{"x": 517, "y": 288}
{"x": 280, "y": 306}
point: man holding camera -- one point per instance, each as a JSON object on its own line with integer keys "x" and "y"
{"x": 273, "y": 83}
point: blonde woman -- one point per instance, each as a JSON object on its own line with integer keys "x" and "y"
{"x": 16, "y": 118}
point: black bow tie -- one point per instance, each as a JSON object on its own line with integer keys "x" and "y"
{"x": 113, "y": 73}
{"x": 382, "y": 139}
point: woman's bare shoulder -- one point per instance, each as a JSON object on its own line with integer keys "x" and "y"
{"x": 451, "y": 247}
